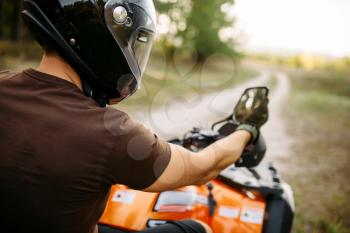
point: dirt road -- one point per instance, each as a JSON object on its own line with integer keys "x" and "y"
{"x": 181, "y": 114}
{"x": 277, "y": 138}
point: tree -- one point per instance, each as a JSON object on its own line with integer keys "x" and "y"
{"x": 10, "y": 19}
{"x": 1, "y": 19}
{"x": 16, "y": 20}
{"x": 197, "y": 24}
{"x": 203, "y": 27}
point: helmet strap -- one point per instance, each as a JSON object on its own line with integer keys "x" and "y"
{"x": 98, "y": 96}
{"x": 86, "y": 88}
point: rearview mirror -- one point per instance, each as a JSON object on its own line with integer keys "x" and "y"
{"x": 251, "y": 100}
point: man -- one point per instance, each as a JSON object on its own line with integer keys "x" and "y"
{"x": 62, "y": 149}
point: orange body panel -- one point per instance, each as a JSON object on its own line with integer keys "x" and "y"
{"x": 229, "y": 199}
{"x": 234, "y": 212}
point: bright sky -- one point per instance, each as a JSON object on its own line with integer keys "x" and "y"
{"x": 313, "y": 26}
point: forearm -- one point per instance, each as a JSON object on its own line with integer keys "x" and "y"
{"x": 189, "y": 168}
{"x": 223, "y": 153}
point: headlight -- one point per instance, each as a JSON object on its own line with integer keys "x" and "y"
{"x": 177, "y": 201}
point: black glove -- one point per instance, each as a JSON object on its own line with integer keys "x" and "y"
{"x": 254, "y": 131}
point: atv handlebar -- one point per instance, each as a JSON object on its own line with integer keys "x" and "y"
{"x": 198, "y": 139}
{"x": 251, "y": 100}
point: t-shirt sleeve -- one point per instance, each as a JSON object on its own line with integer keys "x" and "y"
{"x": 138, "y": 157}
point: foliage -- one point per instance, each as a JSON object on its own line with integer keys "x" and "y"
{"x": 197, "y": 25}
{"x": 10, "y": 20}
{"x": 307, "y": 62}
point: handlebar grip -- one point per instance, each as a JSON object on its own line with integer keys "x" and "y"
{"x": 254, "y": 154}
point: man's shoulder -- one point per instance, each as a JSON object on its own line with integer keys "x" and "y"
{"x": 115, "y": 117}
{"x": 118, "y": 122}
{"x": 7, "y": 74}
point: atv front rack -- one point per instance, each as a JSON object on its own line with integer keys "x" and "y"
{"x": 264, "y": 179}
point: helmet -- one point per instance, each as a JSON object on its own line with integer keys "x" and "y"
{"x": 108, "y": 42}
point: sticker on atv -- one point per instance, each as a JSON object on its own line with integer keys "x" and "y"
{"x": 123, "y": 197}
{"x": 252, "y": 215}
{"x": 228, "y": 212}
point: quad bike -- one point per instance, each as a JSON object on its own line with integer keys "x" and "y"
{"x": 240, "y": 200}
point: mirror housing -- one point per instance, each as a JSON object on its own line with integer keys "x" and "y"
{"x": 251, "y": 100}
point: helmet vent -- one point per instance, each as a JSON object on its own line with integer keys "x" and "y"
{"x": 143, "y": 37}
{"x": 120, "y": 15}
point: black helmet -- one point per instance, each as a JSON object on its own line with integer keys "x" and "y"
{"x": 108, "y": 42}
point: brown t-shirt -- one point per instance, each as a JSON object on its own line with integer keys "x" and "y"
{"x": 60, "y": 153}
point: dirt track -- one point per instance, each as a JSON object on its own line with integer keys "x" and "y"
{"x": 278, "y": 140}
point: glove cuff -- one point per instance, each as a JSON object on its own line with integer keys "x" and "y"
{"x": 254, "y": 132}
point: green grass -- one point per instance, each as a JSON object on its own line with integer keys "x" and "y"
{"x": 22, "y": 51}
{"x": 318, "y": 225}
{"x": 272, "y": 83}
{"x": 184, "y": 79}
{"x": 319, "y": 113}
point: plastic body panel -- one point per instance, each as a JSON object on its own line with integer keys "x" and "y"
{"x": 227, "y": 218}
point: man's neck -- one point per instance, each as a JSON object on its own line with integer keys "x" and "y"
{"x": 54, "y": 65}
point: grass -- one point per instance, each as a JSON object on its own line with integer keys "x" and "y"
{"x": 19, "y": 55}
{"x": 163, "y": 80}
{"x": 272, "y": 83}
{"x": 319, "y": 113}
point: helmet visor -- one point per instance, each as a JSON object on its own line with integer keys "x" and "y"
{"x": 133, "y": 25}
{"x": 142, "y": 48}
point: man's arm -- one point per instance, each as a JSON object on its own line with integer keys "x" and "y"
{"x": 189, "y": 168}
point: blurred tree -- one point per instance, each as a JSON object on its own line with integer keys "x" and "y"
{"x": 199, "y": 24}
{"x": 177, "y": 12}
{"x": 204, "y": 25}
{"x": 11, "y": 26}
{"x": 1, "y": 19}
{"x": 16, "y": 20}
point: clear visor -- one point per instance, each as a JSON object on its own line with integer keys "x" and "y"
{"x": 133, "y": 25}
{"x": 142, "y": 49}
